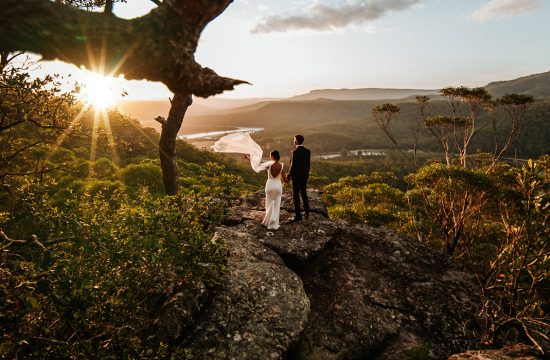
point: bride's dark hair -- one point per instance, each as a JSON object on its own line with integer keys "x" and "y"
{"x": 275, "y": 154}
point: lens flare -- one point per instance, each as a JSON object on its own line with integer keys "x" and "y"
{"x": 100, "y": 91}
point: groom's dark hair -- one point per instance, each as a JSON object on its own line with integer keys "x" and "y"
{"x": 299, "y": 139}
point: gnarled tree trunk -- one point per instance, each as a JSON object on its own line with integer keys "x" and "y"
{"x": 159, "y": 46}
{"x": 167, "y": 144}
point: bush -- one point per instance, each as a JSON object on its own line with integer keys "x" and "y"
{"x": 110, "y": 265}
{"x": 366, "y": 199}
{"x": 103, "y": 168}
{"x": 137, "y": 176}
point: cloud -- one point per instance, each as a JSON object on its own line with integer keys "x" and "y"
{"x": 324, "y": 17}
{"x": 504, "y": 8}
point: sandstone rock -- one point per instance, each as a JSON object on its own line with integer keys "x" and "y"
{"x": 364, "y": 293}
{"x": 180, "y": 312}
{"x": 259, "y": 310}
{"x": 374, "y": 293}
{"x": 294, "y": 242}
{"x": 514, "y": 352}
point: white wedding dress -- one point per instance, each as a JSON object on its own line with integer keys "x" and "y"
{"x": 242, "y": 143}
{"x": 273, "y": 194}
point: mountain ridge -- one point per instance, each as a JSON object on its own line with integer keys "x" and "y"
{"x": 537, "y": 85}
{"x": 334, "y": 125}
{"x": 362, "y": 94}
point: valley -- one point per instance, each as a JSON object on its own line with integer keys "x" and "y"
{"x": 340, "y": 120}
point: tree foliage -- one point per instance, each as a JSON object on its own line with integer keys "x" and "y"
{"x": 90, "y": 249}
{"x": 107, "y": 267}
{"x": 33, "y": 113}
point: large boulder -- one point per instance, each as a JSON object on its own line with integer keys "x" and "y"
{"x": 259, "y": 309}
{"x": 377, "y": 294}
{"x": 324, "y": 289}
{"x": 373, "y": 293}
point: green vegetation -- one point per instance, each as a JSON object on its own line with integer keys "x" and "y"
{"x": 90, "y": 248}
{"x": 491, "y": 215}
{"x": 536, "y": 85}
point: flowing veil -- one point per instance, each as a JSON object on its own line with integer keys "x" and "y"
{"x": 242, "y": 143}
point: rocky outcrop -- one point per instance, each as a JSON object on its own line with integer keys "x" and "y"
{"x": 373, "y": 293}
{"x": 324, "y": 289}
{"x": 515, "y": 352}
{"x": 259, "y": 310}
{"x": 295, "y": 244}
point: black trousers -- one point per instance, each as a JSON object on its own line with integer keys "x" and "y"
{"x": 299, "y": 189}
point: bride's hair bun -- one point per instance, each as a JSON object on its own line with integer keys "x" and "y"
{"x": 275, "y": 154}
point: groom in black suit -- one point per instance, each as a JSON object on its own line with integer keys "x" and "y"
{"x": 299, "y": 173}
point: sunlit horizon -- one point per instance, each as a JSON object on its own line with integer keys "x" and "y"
{"x": 430, "y": 45}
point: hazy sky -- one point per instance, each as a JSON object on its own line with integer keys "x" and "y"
{"x": 287, "y": 47}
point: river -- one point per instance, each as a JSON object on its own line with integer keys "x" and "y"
{"x": 210, "y": 135}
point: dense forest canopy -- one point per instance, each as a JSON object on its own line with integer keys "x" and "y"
{"x": 334, "y": 126}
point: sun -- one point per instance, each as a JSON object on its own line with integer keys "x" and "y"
{"x": 99, "y": 91}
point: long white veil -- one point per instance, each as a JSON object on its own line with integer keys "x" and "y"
{"x": 242, "y": 143}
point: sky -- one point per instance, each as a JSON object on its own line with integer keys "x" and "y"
{"x": 289, "y": 47}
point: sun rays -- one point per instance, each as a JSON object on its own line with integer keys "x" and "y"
{"x": 94, "y": 111}
{"x": 99, "y": 92}
{"x": 98, "y": 96}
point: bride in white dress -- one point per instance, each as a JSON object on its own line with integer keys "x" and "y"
{"x": 243, "y": 143}
{"x": 274, "y": 192}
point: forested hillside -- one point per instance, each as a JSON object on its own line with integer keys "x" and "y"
{"x": 334, "y": 126}
{"x": 90, "y": 246}
{"x": 537, "y": 85}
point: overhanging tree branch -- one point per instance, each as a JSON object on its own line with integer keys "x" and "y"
{"x": 159, "y": 46}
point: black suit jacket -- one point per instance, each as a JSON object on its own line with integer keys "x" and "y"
{"x": 299, "y": 164}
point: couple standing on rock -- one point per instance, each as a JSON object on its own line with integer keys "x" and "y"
{"x": 299, "y": 172}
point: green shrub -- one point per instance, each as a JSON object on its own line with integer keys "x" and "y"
{"x": 111, "y": 263}
{"x": 103, "y": 168}
{"x": 137, "y": 176}
{"x": 365, "y": 199}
